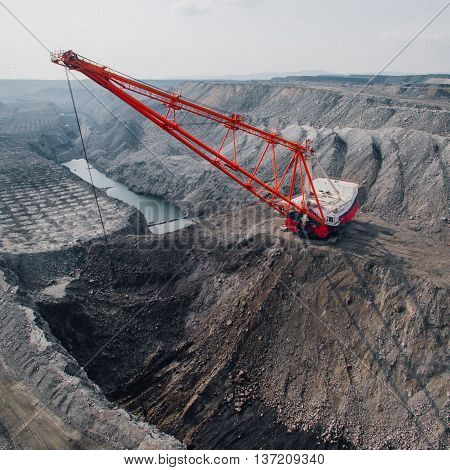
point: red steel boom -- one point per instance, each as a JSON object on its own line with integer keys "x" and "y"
{"x": 319, "y": 210}
{"x": 276, "y": 189}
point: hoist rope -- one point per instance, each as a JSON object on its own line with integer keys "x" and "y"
{"x": 86, "y": 157}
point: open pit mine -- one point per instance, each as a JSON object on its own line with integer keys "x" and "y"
{"x": 270, "y": 276}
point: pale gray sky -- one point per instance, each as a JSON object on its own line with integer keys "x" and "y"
{"x": 180, "y": 38}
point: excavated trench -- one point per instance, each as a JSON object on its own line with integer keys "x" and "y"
{"x": 235, "y": 335}
{"x": 153, "y": 365}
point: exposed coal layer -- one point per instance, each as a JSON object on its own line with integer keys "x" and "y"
{"x": 233, "y": 334}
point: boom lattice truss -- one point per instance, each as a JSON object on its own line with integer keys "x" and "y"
{"x": 277, "y": 188}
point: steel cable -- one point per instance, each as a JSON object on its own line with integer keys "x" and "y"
{"x": 86, "y": 158}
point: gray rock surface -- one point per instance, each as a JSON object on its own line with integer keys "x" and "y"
{"x": 47, "y": 401}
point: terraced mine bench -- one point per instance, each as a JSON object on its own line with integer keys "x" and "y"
{"x": 43, "y": 207}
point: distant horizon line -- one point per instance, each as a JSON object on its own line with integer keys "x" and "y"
{"x": 262, "y": 76}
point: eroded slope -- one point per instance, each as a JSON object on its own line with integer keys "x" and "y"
{"x": 233, "y": 334}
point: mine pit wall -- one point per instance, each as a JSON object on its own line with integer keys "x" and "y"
{"x": 50, "y": 216}
{"x": 330, "y": 351}
{"x": 60, "y": 407}
{"x": 73, "y": 411}
{"x": 35, "y": 270}
{"x": 42, "y": 373}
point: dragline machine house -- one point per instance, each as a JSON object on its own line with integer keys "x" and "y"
{"x": 312, "y": 207}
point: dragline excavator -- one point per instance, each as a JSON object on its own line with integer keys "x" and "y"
{"x": 312, "y": 207}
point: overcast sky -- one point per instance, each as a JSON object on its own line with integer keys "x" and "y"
{"x": 185, "y": 38}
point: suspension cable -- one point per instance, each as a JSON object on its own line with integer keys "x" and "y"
{"x": 86, "y": 158}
